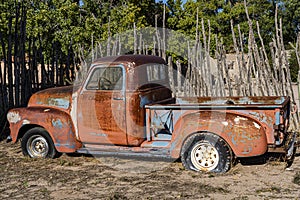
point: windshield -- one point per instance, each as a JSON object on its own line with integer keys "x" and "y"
{"x": 83, "y": 72}
{"x": 106, "y": 78}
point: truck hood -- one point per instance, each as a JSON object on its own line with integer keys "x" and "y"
{"x": 60, "y": 97}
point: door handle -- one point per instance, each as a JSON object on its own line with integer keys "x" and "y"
{"x": 118, "y": 98}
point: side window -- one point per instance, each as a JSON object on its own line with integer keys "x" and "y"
{"x": 156, "y": 72}
{"x": 106, "y": 78}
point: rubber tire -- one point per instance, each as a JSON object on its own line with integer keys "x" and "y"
{"x": 223, "y": 149}
{"x": 290, "y": 160}
{"x": 39, "y": 132}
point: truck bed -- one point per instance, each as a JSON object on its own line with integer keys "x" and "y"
{"x": 232, "y": 116}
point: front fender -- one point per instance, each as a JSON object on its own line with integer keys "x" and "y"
{"x": 245, "y": 135}
{"x": 56, "y": 122}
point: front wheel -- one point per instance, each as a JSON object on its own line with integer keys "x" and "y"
{"x": 206, "y": 152}
{"x": 36, "y": 143}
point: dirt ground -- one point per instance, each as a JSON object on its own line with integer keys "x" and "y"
{"x": 87, "y": 177}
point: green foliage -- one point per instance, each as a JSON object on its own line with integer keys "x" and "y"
{"x": 220, "y": 13}
{"x": 73, "y": 23}
{"x": 294, "y": 66}
{"x": 54, "y": 21}
{"x": 291, "y": 19}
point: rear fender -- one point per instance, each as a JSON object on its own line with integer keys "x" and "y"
{"x": 56, "y": 122}
{"x": 246, "y": 136}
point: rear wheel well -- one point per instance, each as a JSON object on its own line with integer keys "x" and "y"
{"x": 26, "y": 128}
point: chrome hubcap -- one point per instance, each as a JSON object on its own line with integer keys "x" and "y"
{"x": 204, "y": 156}
{"x": 37, "y": 146}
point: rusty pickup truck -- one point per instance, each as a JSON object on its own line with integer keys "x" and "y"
{"x": 124, "y": 107}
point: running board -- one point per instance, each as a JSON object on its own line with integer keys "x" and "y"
{"x": 126, "y": 152}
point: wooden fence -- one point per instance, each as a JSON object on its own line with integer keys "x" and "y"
{"x": 193, "y": 70}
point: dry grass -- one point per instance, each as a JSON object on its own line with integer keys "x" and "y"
{"x": 296, "y": 179}
{"x": 81, "y": 177}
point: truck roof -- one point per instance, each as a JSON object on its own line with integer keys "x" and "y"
{"x": 136, "y": 60}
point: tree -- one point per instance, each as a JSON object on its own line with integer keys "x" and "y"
{"x": 219, "y": 12}
{"x": 291, "y": 19}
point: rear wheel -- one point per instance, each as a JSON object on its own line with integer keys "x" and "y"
{"x": 206, "y": 152}
{"x": 290, "y": 156}
{"x": 36, "y": 143}
{"x": 290, "y": 149}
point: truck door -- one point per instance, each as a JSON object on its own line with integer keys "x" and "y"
{"x": 101, "y": 107}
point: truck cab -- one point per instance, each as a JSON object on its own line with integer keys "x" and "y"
{"x": 111, "y": 102}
